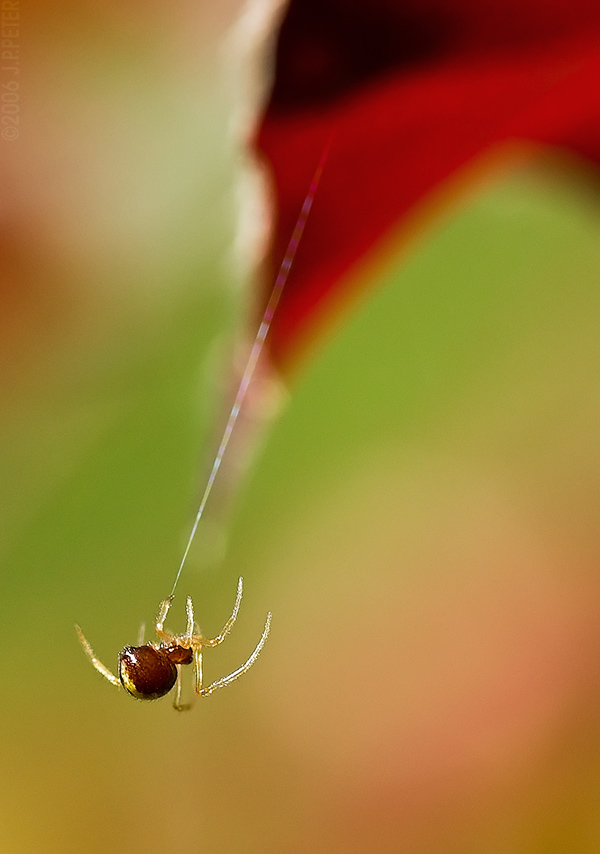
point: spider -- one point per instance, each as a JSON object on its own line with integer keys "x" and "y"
{"x": 149, "y": 671}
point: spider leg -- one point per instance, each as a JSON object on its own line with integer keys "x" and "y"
{"x": 227, "y": 680}
{"x": 189, "y": 610}
{"x": 141, "y": 634}
{"x": 97, "y": 664}
{"x": 177, "y": 704}
{"x": 198, "y": 669}
{"x": 163, "y": 610}
{"x": 229, "y": 624}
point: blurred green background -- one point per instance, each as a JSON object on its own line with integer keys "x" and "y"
{"x": 422, "y": 520}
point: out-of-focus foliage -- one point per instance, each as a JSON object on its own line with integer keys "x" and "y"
{"x": 422, "y": 521}
{"x": 409, "y": 93}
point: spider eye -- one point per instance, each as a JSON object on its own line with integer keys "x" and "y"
{"x": 145, "y": 672}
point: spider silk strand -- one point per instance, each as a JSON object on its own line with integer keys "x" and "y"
{"x": 257, "y": 348}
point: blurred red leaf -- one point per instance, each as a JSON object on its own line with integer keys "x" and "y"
{"x": 410, "y": 92}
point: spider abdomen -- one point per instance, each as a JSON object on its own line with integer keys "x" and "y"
{"x": 146, "y": 672}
